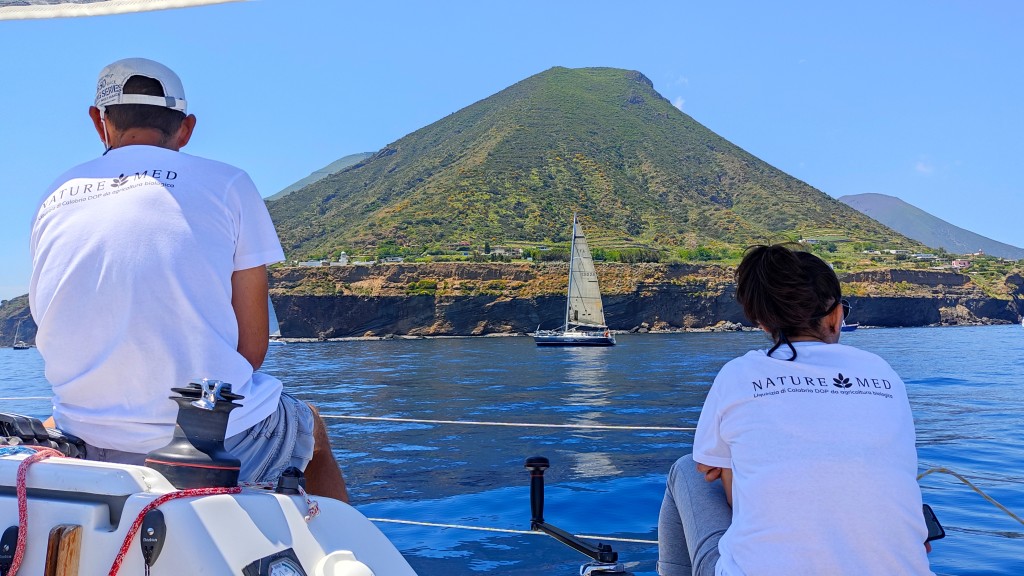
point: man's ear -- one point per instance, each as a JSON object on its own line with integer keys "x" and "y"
{"x": 188, "y": 125}
{"x": 97, "y": 123}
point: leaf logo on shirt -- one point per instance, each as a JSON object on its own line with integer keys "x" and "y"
{"x": 841, "y": 381}
{"x": 119, "y": 181}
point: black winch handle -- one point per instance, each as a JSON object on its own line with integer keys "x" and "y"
{"x": 602, "y": 552}
{"x": 537, "y": 465}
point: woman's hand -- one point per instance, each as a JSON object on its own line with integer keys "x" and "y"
{"x": 711, "y": 473}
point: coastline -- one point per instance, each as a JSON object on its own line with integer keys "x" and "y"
{"x": 459, "y": 300}
{"x": 448, "y": 298}
{"x": 702, "y": 330}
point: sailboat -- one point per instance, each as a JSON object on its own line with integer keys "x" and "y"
{"x": 275, "y": 327}
{"x": 584, "y": 314}
{"x": 846, "y": 312}
{"x": 18, "y": 344}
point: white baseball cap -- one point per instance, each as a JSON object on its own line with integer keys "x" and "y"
{"x": 110, "y": 86}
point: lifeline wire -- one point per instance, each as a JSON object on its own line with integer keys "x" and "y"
{"x": 467, "y": 422}
{"x": 577, "y": 426}
{"x": 638, "y": 541}
{"x": 515, "y": 424}
{"x": 27, "y": 398}
{"x": 506, "y": 530}
{"x": 972, "y": 487}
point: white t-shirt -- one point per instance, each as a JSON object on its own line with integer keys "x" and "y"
{"x": 824, "y": 464}
{"x": 132, "y": 257}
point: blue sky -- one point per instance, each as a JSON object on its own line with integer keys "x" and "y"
{"x": 916, "y": 99}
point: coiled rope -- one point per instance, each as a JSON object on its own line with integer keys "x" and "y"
{"x": 959, "y": 477}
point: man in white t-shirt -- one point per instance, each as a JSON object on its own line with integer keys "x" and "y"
{"x": 149, "y": 271}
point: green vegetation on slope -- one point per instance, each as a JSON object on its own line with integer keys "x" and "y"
{"x": 332, "y": 168}
{"x": 513, "y": 168}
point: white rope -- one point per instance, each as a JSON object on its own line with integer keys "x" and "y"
{"x": 460, "y": 526}
{"x": 960, "y": 477}
{"x": 465, "y": 422}
{"x": 614, "y": 539}
{"x": 516, "y": 424}
{"x": 506, "y": 530}
{"x": 27, "y": 398}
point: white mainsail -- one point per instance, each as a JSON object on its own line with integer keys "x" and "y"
{"x": 25, "y": 9}
{"x": 584, "y": 306}
{"x": 275, "y": 327}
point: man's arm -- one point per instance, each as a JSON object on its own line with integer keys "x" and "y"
{"x": 249, "y": 300}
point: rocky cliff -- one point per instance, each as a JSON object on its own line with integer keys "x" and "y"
{"x": 450, "y": 299}
{"x": 462, "y": 299}
{"x": 475, "y": 299}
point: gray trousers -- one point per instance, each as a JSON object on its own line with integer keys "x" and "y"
{"x": 693, "y": 517}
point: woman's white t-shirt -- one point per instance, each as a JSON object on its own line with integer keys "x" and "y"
{"x": 132, "y": 259}
{"x": 824, "y": 464}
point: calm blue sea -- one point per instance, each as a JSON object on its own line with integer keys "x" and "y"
{"x": 965, "y": 385}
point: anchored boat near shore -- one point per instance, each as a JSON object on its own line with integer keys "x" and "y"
{"x": 584, "y": 323}
{"x": 18, "y": 343}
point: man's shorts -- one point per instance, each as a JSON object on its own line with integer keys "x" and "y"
{"x": 283, "y": 439}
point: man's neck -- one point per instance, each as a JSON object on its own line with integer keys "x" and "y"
{"x": 142, "y": 137}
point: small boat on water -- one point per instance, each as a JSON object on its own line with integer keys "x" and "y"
{"x": 275, "y": 326}
{"x": 846, "y": 312}
{"x": 18, "y": 343}
{"x": 584, "y": 323}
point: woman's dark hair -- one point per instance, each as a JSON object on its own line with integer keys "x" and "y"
{"x": 786, "y": 291}
{"x": 126, "y": 116}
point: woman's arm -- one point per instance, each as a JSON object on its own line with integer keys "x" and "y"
{"x": 712, "y": 473}
{"x": 727, "y": 484}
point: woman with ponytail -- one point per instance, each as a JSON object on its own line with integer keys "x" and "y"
{"x": 804, "y": 458}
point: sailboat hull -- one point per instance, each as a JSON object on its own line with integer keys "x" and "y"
{"x": 573, "y": 338}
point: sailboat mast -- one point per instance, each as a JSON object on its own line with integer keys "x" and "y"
{"x": 572, "y": 260}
